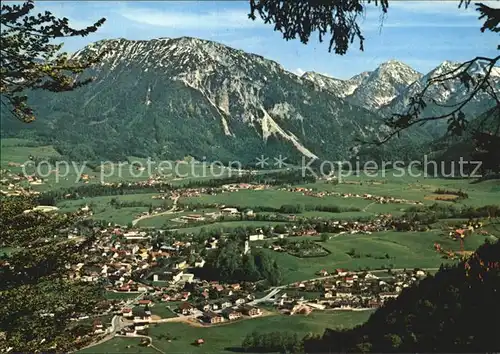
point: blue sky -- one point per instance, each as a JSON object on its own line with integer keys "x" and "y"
{"x": 420, "y": 33}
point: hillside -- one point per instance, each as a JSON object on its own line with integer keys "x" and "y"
{"x": 447, "y": 95}
{"x": 168, "y": 98}
{"x": 371, "y": 90}
{"x": 449, "y": 150}
{"x": 388, "y": 89}
{"x": 173, "y": 97}
{"x": 340, "y": 88}
{"x": 453, "y": 311}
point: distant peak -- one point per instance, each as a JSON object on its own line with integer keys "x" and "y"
{"x": 361, "y": 75}
{"x": 447, "y": 64}
{"x": 314, "y": 73}
{"x": 392, "y": 63}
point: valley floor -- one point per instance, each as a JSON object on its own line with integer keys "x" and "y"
{"x": 317, "y": 202}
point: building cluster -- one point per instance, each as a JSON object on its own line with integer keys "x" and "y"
{"x": 17, "y": 184}
{"x": 383, "y": 222}
{"x": 374, "y": 198}
{"x": 120, "y": 258}
{"x": 126, "y": 262}
{"x": 231, "y": 302}
{"x": 244, "y": 186}
{"x": 344, "y": 290}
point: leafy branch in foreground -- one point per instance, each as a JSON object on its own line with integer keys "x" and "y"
{"x": 474, "y": 76}
{"x": 303, "y": 17}
{"x": 38, "y": 300}
{"x": 339, "y": 19}
{"x": 30, "y": 60}
{"x": 457, "y": 123}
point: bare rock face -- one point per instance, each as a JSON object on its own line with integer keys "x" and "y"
{"x": 172, "y": 97}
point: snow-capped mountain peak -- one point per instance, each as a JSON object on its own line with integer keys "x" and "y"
{"x": 448, "y": 93}
{"x": 373, "y": 89}
{"x": 340, "y": 88}
{"x": 384, "y": 84}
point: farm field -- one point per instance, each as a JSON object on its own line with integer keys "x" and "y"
{"x": 414, "y": 188}
{"x": 272, "y": 198}
{"x": 103, "y": 210}
{"x": 18, "y": 151}
{"x": 376, "y": 251}
{"x": 162, "y": 310}
{"x": 385, "y": 184}
{"x": 348, "y": 215}
{"x": 227, "y": 225}
{"x": 165, "y": 220}
{"x": 405, "y": 250}
{"x": 120, "y": 345}
{"x": 228, "y": 337}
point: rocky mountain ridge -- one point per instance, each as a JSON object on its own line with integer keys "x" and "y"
{"x": 172, "y": 97}
{"x": 388, "y": 89}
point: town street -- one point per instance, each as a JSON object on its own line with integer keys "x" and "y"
{"x": 169, "y": 211}
{"x": 117, "y": 323}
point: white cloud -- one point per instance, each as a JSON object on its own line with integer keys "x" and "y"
{"x": 225, "y": 19}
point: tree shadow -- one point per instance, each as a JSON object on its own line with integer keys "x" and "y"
{"x": 235, "y": 349}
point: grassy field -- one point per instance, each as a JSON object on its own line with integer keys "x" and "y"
{"x": 227, "y": 225}
{"x": 415, "y": 188}
{"x": 120, "y": 345}
{"x": 103, "y": 210}
{"x": 273, "y": 198}
{"x": 228, "y": 337}
{"x": 160, "y": 309}
{"x": 166, "y": 219}
{"x": 18, "y": 151}
{"x": 405, "y": 250}
{"x": 375, "y": 251}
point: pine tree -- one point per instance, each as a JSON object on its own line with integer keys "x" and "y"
{"x": 37, "y": 299}
{"x": 29, "y": 60}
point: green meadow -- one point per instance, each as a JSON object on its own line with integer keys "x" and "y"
{"x": 103, "y": 210}
{"x": 228, "y": 337}
{"x": 227, "y": 226}
{"x": 273, "y": 198}
{"x": 404, "y": 250}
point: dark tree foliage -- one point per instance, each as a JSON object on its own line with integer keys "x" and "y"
{"x": 339, "y": 20}
{"x": 30, "y": 60}
{"x": 272, "y": 342}
{"x": 229, "y": 264}
{"x": 37, "y": 299}
{"x": 453, "y": 311}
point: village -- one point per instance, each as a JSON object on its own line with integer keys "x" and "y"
{"x": 150, "y": 275}
{"x": 156, "y": 283}
{"x": 366, "y": 196}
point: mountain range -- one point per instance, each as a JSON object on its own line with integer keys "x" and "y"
{"x": 172, "y": 97}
